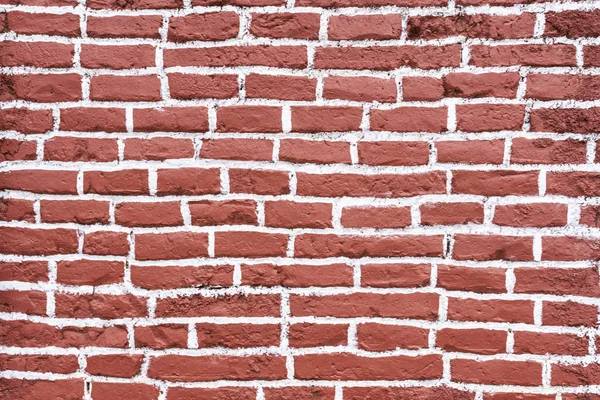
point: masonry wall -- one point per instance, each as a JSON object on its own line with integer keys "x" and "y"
{"x": 309, "y": 199}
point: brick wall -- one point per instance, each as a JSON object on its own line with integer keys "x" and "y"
{"x": 301, "y": 199}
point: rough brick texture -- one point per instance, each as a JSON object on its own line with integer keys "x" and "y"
{"x": 300, "y": 199}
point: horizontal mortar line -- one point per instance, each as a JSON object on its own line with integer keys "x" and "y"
{"x": 215, "y": 292}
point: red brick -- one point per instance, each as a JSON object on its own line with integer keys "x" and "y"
{"x": 188, "y": 181}
{"x": 39, "y": 88}
{"x": 470, "y": 151}
{"x": 478, "y": 341}
{"x": 495, "y": 2}
{"x": 215, "y": 26}
{"x": 386, "y": 58}
{"x": 591, "y": 56}
{"x": 125, "y": 88}
{"x": 172, "y": 245}
{"x": 161, "y": 337}
{"x": 569, "y": 313}
{"x": 312, "y": 119}
{"x": 411, "y": 306}
{"x": 313, "y": 151}
{"x": 369, "y": 3}
{"x": 534, "y": 55}
{"x": 259, "y": 181}
{"x": 42, "y": 24}
{"x": 286, "y": 25}
{"x": 384, "y": 185}
{"x": 190, "y": 86}
{"x": 130, "y": 391}
{"x": 26, "y": 302}
{"x": 181, "y": 277}
{"x": 393, "y": 153}
{"x": 289, "y": 214}
{"x": 158, "y": 148}
{"x": 241, "y": 3}
{"x": 36, "y": 54}
{"x": 361, "y": 27}
{"x": 492, "y": 247}
{"x": 379, "y": 337}
{"x": 531, "y": 214}
{"x": 32, "y": 334}
{"x": 78, "y": 211}
{"x": 281, "y": 87}
{"x": 31, "y": 242}
{"x": 220, "y": 393}
{"x": 580, "y": 396}
{"x": 451, "y": 213}
{"x": 573, "y": 24}
{"x": 590, "y": 216}
{"x": 238, "y": 56}
{"x": 62, "y": 148}
{"x": 16, "y": 210}
{"x": 410, "y": 119}
{"x": 123, "y": 182}
{"x": 252, "y": 305}
{"x": 130, "y": 26}
{"x": 495, "y": 183}
{"x": 360, "y": 89}
{"x": 422, "y": 88}
{"x": 237, "y": 149}
{"x": 117, "y": 365}
{"x": 344, "y": 366}
{"x": 563, "y": 87}
{"x": 575, "y": 375}
{"x": 250, "y": 244}
{"x": 376, "y": 217}
{"x": 395, "y": 275}
{"x": 237, "y": 336}
{"x": 414, "y": 393}
{"x": 489, "y": 117}
{"x": 497, "y": 372}
{"x": 249, "y": 119}
{"x": 547, "y": 151}
{"x": 480, "y": 280}
{"x": 25, "y": 121}
{"x": 40, "y": 181}
{"x": 14, "y": 150}
{"x": 117, "y": 57}
{"x": 92, "y": 119}
{"x": 66, "y": 364}
{"x": 90, "y": 272}
{"x": 105, "y": 306}
{"x": 516, "y": 311}
{"x": 175, "y": 368}
{"x": 297, "y": 275}
{"x": 313, "y": 335}
{"x": 42, "y": 3}
{"x": 299, "y": 392}
{"x": 573, "y": 184}
{"x": 569, "y": 248}
{"x": 24, "y": 271}
{"x": 322, "y": 246}
{"x": 149, "y": 214}
{"x": 106, "y": 243}
{"x": 135, "y": 4}
{"x": 550, "y": 343}
{"x": 224, "y": 212}
{"x": 42, "y": 389}
{"x": 496, "y": 27}
{"x": 464, "y": 84}
{"x": 565, "y": 120}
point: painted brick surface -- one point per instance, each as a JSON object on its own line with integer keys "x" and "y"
{"x": 299, "y": 199}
